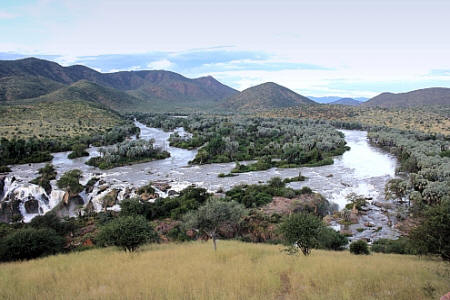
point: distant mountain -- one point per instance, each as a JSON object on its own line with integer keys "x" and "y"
{"x": 429, "y": 96}
{"x": 326, "y": 99}
{"x": 330, "y": 99}
{"x": 42, "y": 77}
{"x": 268, "y": 95}
{"x": 346, "y": 101}
{"x": 91, "y": 92}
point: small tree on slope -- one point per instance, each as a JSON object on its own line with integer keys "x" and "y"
{"x": 213, "y": 215}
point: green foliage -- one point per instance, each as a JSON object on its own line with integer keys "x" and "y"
{"x": 127, "y": 152}
{"x": 78, "y": 150}
{"x": 70, "y": 181}
{"x": 28, "y": 243}
{"x": 401, "y": 246}
{"x": 212, "y": 215}
{"x": 240, "y": 138}
{"x": 146, "y": 189}
{"x": 5, "y": 169}
{"x": 51, "y": 221}
{"x": 131, "y": 207}
{"x": 359, "y": 247}
{"x": 47, "y": 173}
{"x": 330, "y": 239}
{"x": 356, "y": 201}
{"x": 189, "y": 199}
{"x": 301, "y": 231}
{"x": 126, "y": 232}
{"x": 300, "y": 177}
{"x": 433, "y": 235}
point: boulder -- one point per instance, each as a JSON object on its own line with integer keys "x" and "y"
{"x": 369, "y": 224}
{"x": 110, "y": 199}
{"x": 2, "y": 184}
{"x": 171, "y": 193}
{"x": 146, "y": 197}
{"x": 162, "y": 186}
{"x": 32, "y": 206}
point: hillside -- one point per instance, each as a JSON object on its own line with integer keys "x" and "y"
{"x": 87, "y": 91}
{"x": 346, "y": 101}
{"x": 43, "y": 77}
{"x": 237, "y": 271}
{"x": 429, "y": 96}
{"x": 268, "y": 95}
{"x": 23, "y": 87}
{"x": 58, "y": 119}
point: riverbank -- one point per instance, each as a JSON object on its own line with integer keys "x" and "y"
{"x": 236, "y": 271}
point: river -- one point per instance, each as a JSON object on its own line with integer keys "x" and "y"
{"x": 364, "y": 170}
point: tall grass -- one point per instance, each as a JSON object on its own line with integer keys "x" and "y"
{"x": 236, "y": 271}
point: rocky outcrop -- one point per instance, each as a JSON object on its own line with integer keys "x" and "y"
{"x": 9, "y": 208}
{"x": 31, "y": 206}
{"x": 110, "y": 199}
{"x": 2, "y": 185}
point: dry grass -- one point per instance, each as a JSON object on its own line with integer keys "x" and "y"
{"x": 236, "y": 271}
{"x": 54, "y": 119}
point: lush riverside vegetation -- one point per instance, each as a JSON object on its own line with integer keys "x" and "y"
{"x": 226, "y": 139}
{"x": 127, "y": 152}
{"x": 236, "y": 271}
{"x": 32, "y": 150}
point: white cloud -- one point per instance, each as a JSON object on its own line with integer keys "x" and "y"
{"x": 163, "y": 64}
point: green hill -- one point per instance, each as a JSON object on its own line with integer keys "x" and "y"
{"x": 429, "y": 96}
{"x": 154, "y": 87}
{"x": 23, "y": 87}
{"x": 88, "y": 91}
{"x": 265, "y": 96}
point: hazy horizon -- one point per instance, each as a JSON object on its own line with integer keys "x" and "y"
{"x": 318, "y": 48}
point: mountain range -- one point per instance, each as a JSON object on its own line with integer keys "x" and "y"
{"x": 36, "y": 80}
{"x": 428, "y": 96}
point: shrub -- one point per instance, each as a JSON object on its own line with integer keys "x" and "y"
{"x": 70, "y": 181}
{"x": 30, "y": 243}
{"x": 78, "y": 150}
{"x": 359, "y": 247}
{"x": 126, "y": 232}
{"x": 400, "y": 246}
{"x": 330, "y": 239}
{"x": 301, "y": 231}
{"x": 131, "y": 207}
{"x": 51, "y": 221}
{"x": 5, "y": 169}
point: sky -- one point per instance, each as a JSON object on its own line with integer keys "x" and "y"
{"x": 348, "y": 48}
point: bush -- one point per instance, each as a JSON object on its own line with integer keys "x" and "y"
{"x": 70, "y": 181}
{"x": 126, "y": 232}
{"x": 330, "y": 239}
{"x": 78, "y": 150}
{"x": 51, "y": 221}
{"x": 301, "y": 231}
{"x": 5, "y": 169}
{"x": 30, "y": 243}
{"x": 400, "y": 246}
{"x": 359, "y": 247}
{"x": 131, "y": 207}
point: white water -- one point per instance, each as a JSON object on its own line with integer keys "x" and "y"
{"x": 363, "y": 170}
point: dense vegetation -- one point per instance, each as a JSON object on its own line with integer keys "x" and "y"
{"x": 46, "y": 174}
{"x": 295, "y": 142}
{"x": 34, "y": 150}
{"x": 127, "y": 152}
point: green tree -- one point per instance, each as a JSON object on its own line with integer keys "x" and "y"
{"x": 330, "y": 239}
{"x": 70, "y": 181}
{"x": 126, "y": 232}
{"x": 30, "y": 243}
{"x": 131, "y": 207}
{"x": 359, "y": 247}
{"x": 78, "y": 150}
{"x": 301, "y": 231}
{"x": 213, "y": 215}
{"x": 433, "y": 235}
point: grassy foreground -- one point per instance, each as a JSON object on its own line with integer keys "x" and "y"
{"x": 237, "y": 271}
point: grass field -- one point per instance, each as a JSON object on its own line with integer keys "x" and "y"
{"x": 54, "y": 119}
{"x": 431, "y": 119}
{"x": 237, "y": 271}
